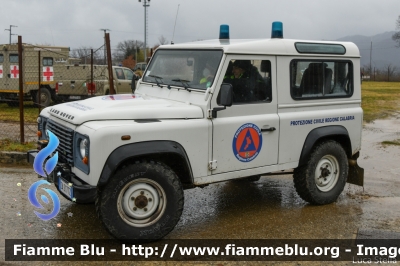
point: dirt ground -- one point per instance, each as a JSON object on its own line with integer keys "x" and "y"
{"x": 266, "y": 209}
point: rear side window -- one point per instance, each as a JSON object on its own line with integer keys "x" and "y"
{"x": 120, "y": 73}
{"x": 47, "y": 61}
{"x": 13, "y": 58}
{"x": 1, "y": 58}
{"x": 313, "y": 79}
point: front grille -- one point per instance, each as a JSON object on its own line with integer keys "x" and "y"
{"x": 65, "y": 136}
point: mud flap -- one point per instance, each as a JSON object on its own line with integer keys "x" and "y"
{"x": 356, "y": 173}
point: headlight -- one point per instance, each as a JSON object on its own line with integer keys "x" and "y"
{"x": 82, "y": 152}
{"x": 82, "y": 147}
{"x": 42, "y": 127}
{"x": 45, "y": 129}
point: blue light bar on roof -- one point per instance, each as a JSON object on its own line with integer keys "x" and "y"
{"x": 277, "y": 30}
{"x": 224, "y": 31}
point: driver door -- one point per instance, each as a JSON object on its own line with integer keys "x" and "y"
{"x": 246, "y": 134}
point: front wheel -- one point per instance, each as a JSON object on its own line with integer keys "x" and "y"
{"x": 142, "y": 202}
{"x": 323, "y": 178}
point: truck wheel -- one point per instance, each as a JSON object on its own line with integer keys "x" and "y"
{"x": 45, "y": 97}
{"x": 323, "y": 178}
{"x": 142, "y": 202}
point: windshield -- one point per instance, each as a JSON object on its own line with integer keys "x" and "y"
{"x": 194, "y": 69}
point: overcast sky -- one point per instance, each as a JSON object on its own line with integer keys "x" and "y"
{"x": 77, "y": 23}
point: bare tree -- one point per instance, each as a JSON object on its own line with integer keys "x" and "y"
{"x": 162, "y": 40}
{"x": 389, "y": 70}
{"x": 84, "y": 54}
{"x": 366, "y": 69}
{"x": 396, "y": 35}
{"x": 128, "y": 48}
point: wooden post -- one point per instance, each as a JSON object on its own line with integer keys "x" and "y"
{"x": 21, "y": 92}
{"x": 109, "y": 63}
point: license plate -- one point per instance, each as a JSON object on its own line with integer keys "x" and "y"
{"x": 65, "y": 188}
{"x": 74, "y": 97}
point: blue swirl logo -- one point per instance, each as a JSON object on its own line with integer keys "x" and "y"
{"x": 32, "y": 198}
{"x": 44, "y": 153}
{"x": 43, "y": 168}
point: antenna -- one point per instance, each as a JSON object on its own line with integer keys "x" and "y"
{"x": 173, "y": 34}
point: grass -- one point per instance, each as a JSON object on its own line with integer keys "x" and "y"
{"x": 380, "y": 99}
{"x": 391, "y": 142}
{"x": 11, "y": 113}
{"x": 11, "y": 145}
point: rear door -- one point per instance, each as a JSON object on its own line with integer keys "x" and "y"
{"x": 246, "y": 134}
{"x": 3, "y": 75}
{"x": 12, "y": 70}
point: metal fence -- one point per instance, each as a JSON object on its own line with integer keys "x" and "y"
{"x": 34, "y": 76}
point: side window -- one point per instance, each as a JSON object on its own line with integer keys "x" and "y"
{"x": 1, "y": 58}
{"x": 120, "y": 73}
{"x": 128, "y": 74}
{"x": 47, "y": 61}
{"x": 321, "y": 79}
{"x": 13, "y": 58}
{"x": 251, "y": 81}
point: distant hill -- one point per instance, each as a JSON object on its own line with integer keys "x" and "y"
{"x": 384, "y": 50}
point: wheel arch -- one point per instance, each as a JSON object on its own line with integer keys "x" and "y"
{"x": 168, "y": 152}
{"x": 318, "y": 135}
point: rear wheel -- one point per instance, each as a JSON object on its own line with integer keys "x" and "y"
{"x": 323, "y": 178}
{"x": 44, "y": 96}
{"x": 143, "y": 201}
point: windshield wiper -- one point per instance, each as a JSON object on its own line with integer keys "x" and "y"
{"x": 184, "y": 83}
{"x": 156, "y": 78}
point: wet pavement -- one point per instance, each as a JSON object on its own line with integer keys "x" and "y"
{"x": 267, "y": 209}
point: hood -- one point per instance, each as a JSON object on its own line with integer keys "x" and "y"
{"x": 123, "y": 107}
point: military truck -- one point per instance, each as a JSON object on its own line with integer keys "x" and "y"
{"x": 74, "y": 81}
{"x": 60, "y": 77}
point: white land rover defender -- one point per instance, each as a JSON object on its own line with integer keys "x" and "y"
{"x": 206, "y": 112}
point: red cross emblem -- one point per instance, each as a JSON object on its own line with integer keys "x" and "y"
{"x": 14, "y": 69}
{"x": 1, "y": 71}
{"x": 48, "y": 74}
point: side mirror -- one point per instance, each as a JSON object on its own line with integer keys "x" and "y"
{"x": 224, "y": 98}
{"x": 225, "y": 95}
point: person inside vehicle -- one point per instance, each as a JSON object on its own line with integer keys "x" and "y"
{"x": 239, "y": 80}
{"x": 248, "y": 85}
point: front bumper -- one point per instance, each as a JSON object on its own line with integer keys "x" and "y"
{"x": 82, "y": 193}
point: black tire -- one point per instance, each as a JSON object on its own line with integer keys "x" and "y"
{"x": 45, "y": 97}
{"x": 253, "y": 178}
{"x": 323, "y": 178}
{"x": 142, "y": 202}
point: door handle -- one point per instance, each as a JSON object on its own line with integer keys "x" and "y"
{"x": 268, "y": 129}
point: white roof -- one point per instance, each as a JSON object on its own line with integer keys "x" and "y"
{"x": 262, "y": 46}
